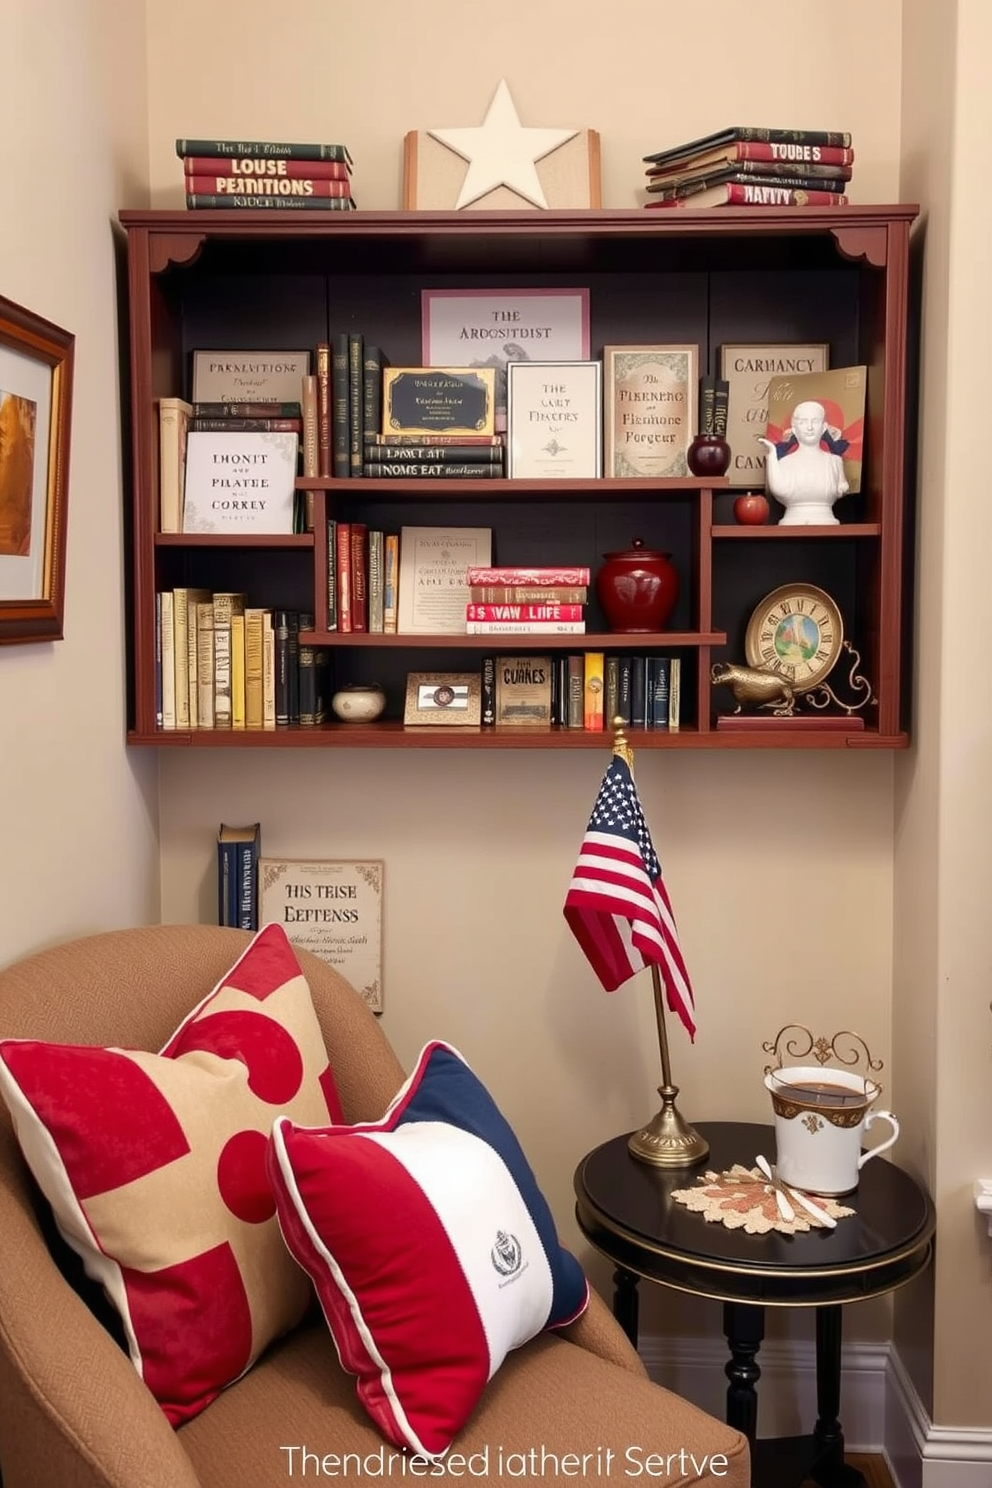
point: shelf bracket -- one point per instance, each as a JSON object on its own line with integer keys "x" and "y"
{"x": 983, "y": 1199}
{"x": 173, "y": 248}
{"x": 863, "y": 242}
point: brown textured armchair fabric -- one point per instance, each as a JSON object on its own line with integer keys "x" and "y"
{"x": 73, "y": 1411}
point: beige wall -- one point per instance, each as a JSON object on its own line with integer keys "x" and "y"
{"x": 943, "y": 928}
{"x": 479, "y": 847}
{"x": 79, "y": 818}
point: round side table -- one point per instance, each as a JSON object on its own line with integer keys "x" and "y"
{"x": 624, "y": 1208}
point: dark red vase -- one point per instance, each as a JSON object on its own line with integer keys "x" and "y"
{"x": 708, "y": 454}
{"x": 637, "y": 590}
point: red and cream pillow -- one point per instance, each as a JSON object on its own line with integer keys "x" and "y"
{"x": 154, "y": 1165}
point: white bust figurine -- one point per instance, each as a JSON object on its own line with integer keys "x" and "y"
{"x": 808, "y": 480}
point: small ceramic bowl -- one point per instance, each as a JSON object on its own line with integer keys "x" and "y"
{"x": 359, "y": 704}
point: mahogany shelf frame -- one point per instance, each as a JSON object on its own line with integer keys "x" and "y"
{"x": 870, "y": 243}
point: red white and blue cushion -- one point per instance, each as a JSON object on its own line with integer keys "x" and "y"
{"x": 431, "y": 1247}
{"x": 155, "y": 1168}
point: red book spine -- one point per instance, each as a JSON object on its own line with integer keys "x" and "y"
{"x": 278, "y": 186}
{"x": 250, "y": 166}
{"x": 359, "y": 576}
{"x": 760, "y": 196}
{"x": 536, "y": 576}
{"x": 523, "y": 612}
{"x": 344, "y": 576}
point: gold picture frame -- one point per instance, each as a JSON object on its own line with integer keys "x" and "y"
{"x": 445, "y": 698}
{"x": 36, "y": 363}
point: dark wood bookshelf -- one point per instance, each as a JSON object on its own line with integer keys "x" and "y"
{"x": 762, "y": 275}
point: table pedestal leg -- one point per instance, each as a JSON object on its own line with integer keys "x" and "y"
{"x": 744, "y": 1325}
{"x": 830, "y": 1469}
{"x": 625, "y": 1302}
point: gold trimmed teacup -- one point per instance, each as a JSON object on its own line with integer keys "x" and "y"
{"x": 821, "y": 1115}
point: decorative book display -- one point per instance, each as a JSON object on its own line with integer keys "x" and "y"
{"x": 753, "y": 167}
{"x": 841, "y": 395}
{"x": 438, "y": 400}
{"x": 240, "y": 483}
{"x": 433, "y": 587}
{"x": 494, "y": 327}
{"x": 332, "y": 909}
{"x": 650, "y": 409}
{"x": 749, "y": 370}
{"x": 265, "y": 174}
{"x": 554, "y": 420}
{"x": 242, "y": 377}
{"x": 523, "y": 691}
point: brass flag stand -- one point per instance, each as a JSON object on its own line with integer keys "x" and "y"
{"x": 668, "y": 1141}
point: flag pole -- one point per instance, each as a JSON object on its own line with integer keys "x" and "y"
{"x": 668, "y": 1141}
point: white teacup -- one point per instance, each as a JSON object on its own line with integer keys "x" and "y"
{"x": 821, "y": 1115}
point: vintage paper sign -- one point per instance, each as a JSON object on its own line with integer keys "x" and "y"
{"x": 332, "y": 908}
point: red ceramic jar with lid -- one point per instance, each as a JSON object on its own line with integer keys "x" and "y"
{"x": 637, "y": 589}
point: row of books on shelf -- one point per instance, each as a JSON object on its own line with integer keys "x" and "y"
{"x": 590, "y": 689}
{"x": 220, "y": 663}
{"x": 750, "y": 167}
{"x": 265, "y": 174}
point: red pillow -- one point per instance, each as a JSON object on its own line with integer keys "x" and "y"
{"x": 154, "y": 1165}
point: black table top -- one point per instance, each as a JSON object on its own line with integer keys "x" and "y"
{"x": 624, "y": 1208}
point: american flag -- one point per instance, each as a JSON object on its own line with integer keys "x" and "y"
{"x": 617, "y": 905}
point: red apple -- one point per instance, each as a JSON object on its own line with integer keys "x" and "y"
{"x": 751, "y": 510}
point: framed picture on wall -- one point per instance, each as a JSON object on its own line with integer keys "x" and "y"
{"x": 36, "y": 363}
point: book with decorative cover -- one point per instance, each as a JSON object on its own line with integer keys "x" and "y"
{"x": 841, "y": 392}
{"x": 433, "y": 584}
{"x": 762, "y": 154}
{"x": 523, "y": 691}
{"x": 838, "y": 138}
{"x": 239, "y": 483}
{"x": 752, "y": 193}
{"x": 263, "y": 149}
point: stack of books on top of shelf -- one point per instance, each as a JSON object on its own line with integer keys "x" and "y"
{"x": 437, "y": 456}
{"x": 266, "y": 174}
{"x": 746, "y": 167}
{"x": 526, "y": 601}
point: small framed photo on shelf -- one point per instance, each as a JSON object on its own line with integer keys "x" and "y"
{"x": 495, "y": 327}
{"x": 554, "y": 420}
{"x": 650, "y": 409}
{"x": 443, "y": 698}
{"x": 249, "y": 376}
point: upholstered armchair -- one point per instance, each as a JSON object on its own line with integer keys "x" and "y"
{"x": 74, "y": 1412}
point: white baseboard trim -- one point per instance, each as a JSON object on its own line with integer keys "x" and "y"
{"x": 880, "y": 1408}
{"x": 923, "y": 1455}
{"x": 694, "y": 1368}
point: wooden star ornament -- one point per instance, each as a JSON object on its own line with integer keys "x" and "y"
{"x": 495, "y": 164}
{"x": 502, "y": 152}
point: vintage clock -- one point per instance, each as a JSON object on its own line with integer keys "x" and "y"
{"x": 798, "y": 632}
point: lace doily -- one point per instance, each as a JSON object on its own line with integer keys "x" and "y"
{"x": 743, "y": 1199}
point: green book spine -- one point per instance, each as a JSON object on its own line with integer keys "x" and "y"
{"x": 262, "y": 150}
{"x": 340, "y": 407}
{"x": 371, "y": 390}
{"x": 204, "y": 199}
